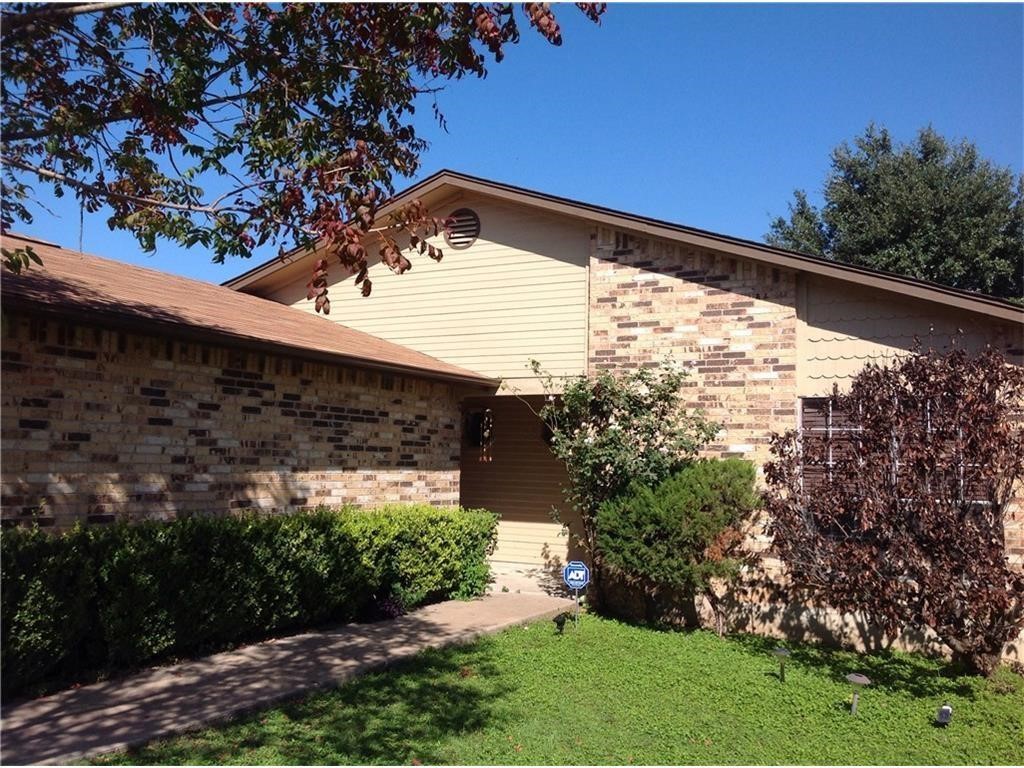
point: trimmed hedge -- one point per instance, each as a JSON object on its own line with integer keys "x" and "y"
{"x": 102, "y": 598}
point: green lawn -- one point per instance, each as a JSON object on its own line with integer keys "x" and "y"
{"x": 612, "y": 693}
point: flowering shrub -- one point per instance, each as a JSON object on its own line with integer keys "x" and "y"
{"x": 613, "y": 429}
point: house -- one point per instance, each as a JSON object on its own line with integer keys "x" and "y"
{"x": 582, "y": 288}
{"x": 132, "y": 394}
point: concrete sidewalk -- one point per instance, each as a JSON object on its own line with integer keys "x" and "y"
{"x": 79, "y": 723}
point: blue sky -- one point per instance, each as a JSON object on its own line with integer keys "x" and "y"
{"x": 705, "y": 115}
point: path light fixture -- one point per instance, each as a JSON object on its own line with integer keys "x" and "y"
{"x": 783, "y": 654}
{"x": 945, "y": 715}
{"x": 858, "y": 681}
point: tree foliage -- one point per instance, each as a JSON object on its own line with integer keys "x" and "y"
{"x": 905, "y": 520}
{"x": 237, "y": 125}
{"x": 932, "y": 210}
{"x": 611, "y": 430}
{"x": 672, "y": 540}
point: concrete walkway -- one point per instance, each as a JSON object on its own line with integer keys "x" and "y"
{"x": 76, "y": 724}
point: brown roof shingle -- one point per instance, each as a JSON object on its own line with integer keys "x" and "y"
{"x": 70, "y": 282}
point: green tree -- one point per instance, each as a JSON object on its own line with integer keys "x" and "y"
{"x": 234, "y": 125}
{"x": 933, "y": 210}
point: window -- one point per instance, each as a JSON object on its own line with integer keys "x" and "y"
{"x": 829, "y": 435}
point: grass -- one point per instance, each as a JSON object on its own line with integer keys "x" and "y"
{"x": 609, "y": 693}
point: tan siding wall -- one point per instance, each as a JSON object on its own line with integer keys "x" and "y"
{"x": 518, "y": 477}
{"x": 518, "y": 292}
{"x": 101, "y": 425}
{"x": 843, "y": 327}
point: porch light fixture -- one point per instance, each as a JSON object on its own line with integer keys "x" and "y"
{"x": 858, "y": 681}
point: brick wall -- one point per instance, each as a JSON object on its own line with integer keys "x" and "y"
{"x": 101, "y": 425}
{"x": 735, "y": 323}
{"x": 732, "y": 321}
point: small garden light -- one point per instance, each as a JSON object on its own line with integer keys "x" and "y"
{"x": 783, "y": 654}
{"x": 944, "y": 716}
{"x": 858, "y": 681}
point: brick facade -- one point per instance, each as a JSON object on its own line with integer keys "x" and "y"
{"x": 731, "y": 321}
{"x": 102, "y": 425}
{"x": 734, "y": 323}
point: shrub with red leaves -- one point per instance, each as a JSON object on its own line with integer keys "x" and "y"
{"x": 907, "y": 525}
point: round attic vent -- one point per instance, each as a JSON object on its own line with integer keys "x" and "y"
{"x": 463, "y": 228}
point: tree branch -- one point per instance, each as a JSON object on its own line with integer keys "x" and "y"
{"x": 20, "y": 25}
{"x": 117, "y": 117}
{"x": 101, "y": 191}
{"x": 61, "y": 10}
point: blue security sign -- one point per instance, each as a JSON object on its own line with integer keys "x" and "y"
{"x": 576, "y": 575}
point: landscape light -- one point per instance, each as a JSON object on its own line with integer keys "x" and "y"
{"x": 783, "y": 654}
{"x": 944, "y": 716}
{"x": 858, "y": 681}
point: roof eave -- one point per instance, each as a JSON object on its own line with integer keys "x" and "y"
{"x": 792, "y": 260}
{"x": 127, "y": 321}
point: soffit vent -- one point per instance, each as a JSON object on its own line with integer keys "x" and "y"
{"x": 463, "y": 228}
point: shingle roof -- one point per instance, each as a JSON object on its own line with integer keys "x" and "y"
{"x": 70, "y": 282}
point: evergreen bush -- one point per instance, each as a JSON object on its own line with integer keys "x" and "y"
{"x": 671, "y": 540}
{"x": 102, "y": 598}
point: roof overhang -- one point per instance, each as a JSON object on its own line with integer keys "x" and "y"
{"x": 198, "y": 334}
{"x": 446, "y": 183}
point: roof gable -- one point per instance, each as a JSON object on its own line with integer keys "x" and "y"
{"x": 446, "y": 182}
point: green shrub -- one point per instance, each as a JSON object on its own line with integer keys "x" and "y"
{"x": 113, "y": 597}
{"x": 673, "y": 539}
{"x": 613, "y": 429}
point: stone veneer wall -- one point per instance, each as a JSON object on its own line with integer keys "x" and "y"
{"x": 101, "y": 425}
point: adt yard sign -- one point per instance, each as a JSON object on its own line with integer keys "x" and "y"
{"x": 576, "y": 575}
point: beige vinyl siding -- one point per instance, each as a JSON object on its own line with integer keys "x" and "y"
{"x": 518, "y": 293}
{"x": 518, "y": 477}
{"x": 843, "y": 327}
